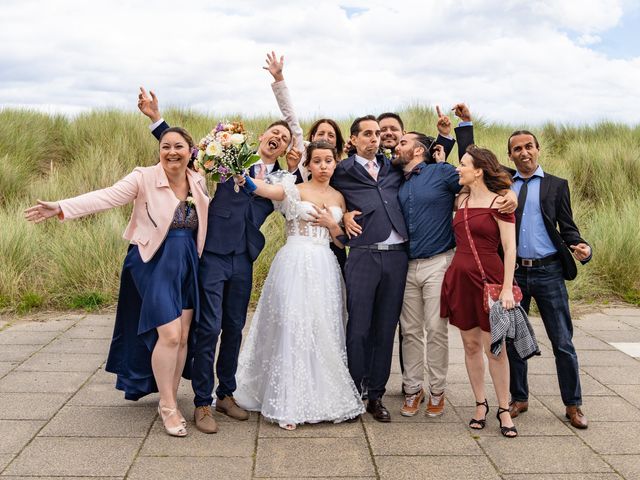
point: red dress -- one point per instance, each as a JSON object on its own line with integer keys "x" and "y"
{"x": 462, "y": 288}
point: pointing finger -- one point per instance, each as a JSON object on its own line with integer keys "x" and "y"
{"x": 438, "y": 111}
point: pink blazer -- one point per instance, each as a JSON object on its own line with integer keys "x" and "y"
{"x": 154, "y": 205}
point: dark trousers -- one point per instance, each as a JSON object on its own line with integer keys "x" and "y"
{"x": 375, "y": 283}
{"x": 225, "y": 289}
{"x": 341, "y": 256}
{"x": 546, "y": 285}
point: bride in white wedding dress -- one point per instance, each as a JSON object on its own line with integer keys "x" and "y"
{"x": 293, "y": 367}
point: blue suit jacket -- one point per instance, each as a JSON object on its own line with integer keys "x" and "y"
{"x": 377, "y": 200}
{"x": 234, "y": 218}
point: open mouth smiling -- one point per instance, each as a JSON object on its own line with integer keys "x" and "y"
{"x": 273, "y": 144}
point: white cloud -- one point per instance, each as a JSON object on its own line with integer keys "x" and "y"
{"x": 512, "y": 61}
{"x": 587, "y": 39}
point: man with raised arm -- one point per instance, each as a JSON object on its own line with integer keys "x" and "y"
{"x": 232, "y": 244}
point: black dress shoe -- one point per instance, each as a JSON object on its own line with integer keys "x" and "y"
{"x": 378, "y": 410}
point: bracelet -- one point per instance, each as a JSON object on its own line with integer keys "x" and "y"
{"x": 249, "y": 185}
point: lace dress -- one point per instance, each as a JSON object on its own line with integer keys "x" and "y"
{"x": 293, "y": 367}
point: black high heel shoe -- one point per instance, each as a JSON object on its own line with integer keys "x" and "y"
{"x": 483, "y": 421}
{"x": 506, "y": 430}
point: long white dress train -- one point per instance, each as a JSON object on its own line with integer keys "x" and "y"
{"x": 293, "y": 367}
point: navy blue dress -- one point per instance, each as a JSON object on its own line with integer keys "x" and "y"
{"x": 151, "y": 295}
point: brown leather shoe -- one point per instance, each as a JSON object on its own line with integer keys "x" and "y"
{"x": 516, "y": 408}
{"x": 378, "y": 410}
{"x": 229, "y": 407}
{"x": 576, "y": 417}
{"x": 203, "y": 416}
{"x": 412, "y": 403}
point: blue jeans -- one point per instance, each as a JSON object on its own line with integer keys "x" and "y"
{"x": 546, "y": 285}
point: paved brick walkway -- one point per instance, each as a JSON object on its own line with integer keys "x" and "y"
{"x": 60, "y": 416}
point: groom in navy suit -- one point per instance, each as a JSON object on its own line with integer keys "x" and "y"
{"x": 225, "y": 274}
{"x": 376, "y": 267}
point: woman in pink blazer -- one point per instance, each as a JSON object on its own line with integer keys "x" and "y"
{"x": 158, "y": 287}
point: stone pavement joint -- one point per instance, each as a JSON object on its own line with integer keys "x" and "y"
{"x": 60, "y": 416}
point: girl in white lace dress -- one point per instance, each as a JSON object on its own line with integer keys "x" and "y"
{"x": 293, "y": 367}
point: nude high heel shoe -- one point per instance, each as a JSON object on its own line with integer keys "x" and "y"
{"x": 166, "y": 412}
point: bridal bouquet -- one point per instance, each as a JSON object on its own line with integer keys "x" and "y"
{"x": 225, "y": 152}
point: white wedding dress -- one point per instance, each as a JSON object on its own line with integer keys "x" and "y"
{"x": 293, "y": 367}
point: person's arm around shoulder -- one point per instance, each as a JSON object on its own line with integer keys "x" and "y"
{"x": 121, "y": 193}
{"x": 508, "y": 201}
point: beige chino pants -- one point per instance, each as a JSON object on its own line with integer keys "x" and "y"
{"x": 420, "y": 318}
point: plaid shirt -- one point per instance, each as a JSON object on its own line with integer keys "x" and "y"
{"x": 514, "y": 325}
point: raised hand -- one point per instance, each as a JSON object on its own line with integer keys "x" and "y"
{"x": 462, "y": 112}
{"x": 148, "y": 104}
{"x": 275, "y": 66}
{"x": 293, "y": 159}
{"x": 444, "y": 123}
{"x": 43, "y": 210}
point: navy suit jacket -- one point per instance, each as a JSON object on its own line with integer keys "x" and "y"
{"x": 234, "y": 218}
{"x": 464, "y": 135}
{"x": 377, "y": 200}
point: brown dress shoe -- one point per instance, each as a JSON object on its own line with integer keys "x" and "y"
{"x": 576, "y": 417}
{"x": 203, "y": 416}
{"x": 516, "y": 408}
{"x": 378, "y": 410}
{"x": 230, "y": 408}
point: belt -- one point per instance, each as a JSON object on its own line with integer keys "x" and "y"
{"x": 537, "y": 262}
{"x": 384, "y": 247}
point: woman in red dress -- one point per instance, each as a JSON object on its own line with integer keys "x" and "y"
{"x": 462, "y": 289}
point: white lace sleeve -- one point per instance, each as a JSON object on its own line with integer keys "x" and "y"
{"x": 288, "y": 206}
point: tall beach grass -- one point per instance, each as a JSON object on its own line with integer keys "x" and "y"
{"x": 77, "y": 264}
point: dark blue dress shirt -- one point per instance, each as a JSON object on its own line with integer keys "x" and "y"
{"x": 426, "y": 199}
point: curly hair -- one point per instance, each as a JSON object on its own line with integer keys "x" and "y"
{"x": 494, "y": 175}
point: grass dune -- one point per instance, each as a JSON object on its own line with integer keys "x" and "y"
{"x": 77, "y": 264}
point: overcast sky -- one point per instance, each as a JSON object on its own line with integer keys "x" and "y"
{"x": 529, "y": 61}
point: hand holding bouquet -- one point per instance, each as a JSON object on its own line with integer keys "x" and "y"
{"x": 225, "y": 152}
